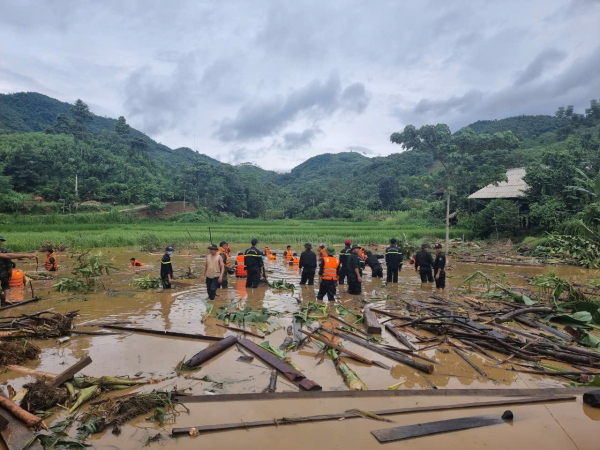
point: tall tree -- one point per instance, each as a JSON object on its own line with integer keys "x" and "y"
{"x": 63, "y": 125}
{"x": 121, "y": 127}
{"x": 81, "y": 115}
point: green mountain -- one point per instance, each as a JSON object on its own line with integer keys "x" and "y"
{"x": 47, "y": 151}
{"x": 521, "y": 126}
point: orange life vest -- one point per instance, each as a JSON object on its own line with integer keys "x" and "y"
{"x": 362, "y": 254}
{"x": 17, "y": 279}
{"x": 240, "y": 268}
{"x": 330, "y": 265}
{"x": 51, "y": 266}
{"x": 287, "y": 254}
{"x": 271, "y": 256}
{"x": 136, "y": 263}
{"x": 295, "y": 261}
{"x": 323, "y": 253}
{"x": 226, "y": 261}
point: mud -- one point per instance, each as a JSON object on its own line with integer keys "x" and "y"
{"x": 181, "y": 309}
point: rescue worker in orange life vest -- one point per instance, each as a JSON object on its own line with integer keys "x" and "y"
{"x": 51, "y": 264}
{"x": 6, "y": 266}
{"x": 287, "y": 254}
{"x": 328, "y": 275}
{"x": 223, "y": 252}
{"x": 322, "y": 251}
{"x": 295, "y": 261}
{"x": 240, "y": 266}
{"x": 135, "y": 263}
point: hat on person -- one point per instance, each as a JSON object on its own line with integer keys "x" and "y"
{"x": 308, "y": 245}
{"x": 254, "y": 241}
{"x": 438, "y": 246}
{"x": 330, "y": 251}
{"x": 356, "y": 246}
{"x": 348, "y": 241}
{"x": 168, "y": 249}
{"x": 213, "y": 247}
{"x": 424, "y": 245}
{"x": 2, "y": 238}
{"x": 222, "y": 243}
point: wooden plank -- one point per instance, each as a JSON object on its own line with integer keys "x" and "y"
{"x": 211, "y": 351}
{"x": 399, "y": 336}
{"x": 24, "y": 302}
{"x": 17, "y": 435}
{"x": 383, "y": 393}
{"x": 3, "y": 423}
{"x": 71, "y": 371}
{"x": 295, "y": 376}
{"x": 429, "y": 428}
{"x": 200, "y": 337}
{"x": 385, "y": 412}
{"x": 511, "y": 315}
{"x": 427, "y": 368}
{"x": 371, "y": 322}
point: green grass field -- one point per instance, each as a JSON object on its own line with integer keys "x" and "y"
{"x": 85, "y": 234}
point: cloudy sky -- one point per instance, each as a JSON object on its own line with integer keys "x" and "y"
{"x": 274, "y": 83}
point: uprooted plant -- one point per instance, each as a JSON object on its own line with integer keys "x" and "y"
{"x": 493, "y": 286}
{"x": 88, "y": 269}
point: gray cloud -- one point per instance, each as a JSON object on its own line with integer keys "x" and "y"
{"x": 292, "y": 141}
{"x": 540, "y": 63}
{"x": 260, "y": 118}
{"x": 571, "y": 86}
{"x": 237, "y": 75}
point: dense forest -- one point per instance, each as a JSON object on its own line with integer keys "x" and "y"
{"x": 65, "y": 154}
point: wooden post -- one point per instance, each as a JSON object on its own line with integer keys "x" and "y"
{"x": 71, "y": 371}
{"x": 211, "y": 351}
{"x": 372, "y": 325}
{"x": 447, "y": 220}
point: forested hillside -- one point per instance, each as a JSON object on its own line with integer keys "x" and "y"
{"x": 46, "y": 145}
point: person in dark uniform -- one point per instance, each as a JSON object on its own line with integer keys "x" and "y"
{"x": 355, "y": 264}
{"x": 343, "y": 266}
{"x": 166, "y": 268}
{"x": 254, "y": 265}
{"x": 424, "y": 264}
{"x": 439, "y": 266}
{"x": 308, "y": 265}
{"x": 393, "y": 261}
{"x": 373, "y": 262}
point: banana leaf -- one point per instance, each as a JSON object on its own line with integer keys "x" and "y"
{"x": 592, "y": 308}
{"x": 84, "y": 396}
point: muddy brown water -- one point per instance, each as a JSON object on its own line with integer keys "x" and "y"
{"x": 571, "y": 425}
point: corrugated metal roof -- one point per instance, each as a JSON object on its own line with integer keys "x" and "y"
{"x": 515, "y": 187}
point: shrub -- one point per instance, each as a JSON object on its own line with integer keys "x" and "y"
{"x": 500, "y": 218}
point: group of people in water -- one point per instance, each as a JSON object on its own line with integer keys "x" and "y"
{"x": 332, "y": 271}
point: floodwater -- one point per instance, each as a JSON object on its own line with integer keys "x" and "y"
{"x": 562, "y": 425}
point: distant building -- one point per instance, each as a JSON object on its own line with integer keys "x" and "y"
{"x": 514, "y": 188}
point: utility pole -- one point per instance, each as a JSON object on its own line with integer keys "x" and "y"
{"x": 75, "y": 184}
{"x": 447, "y": 220}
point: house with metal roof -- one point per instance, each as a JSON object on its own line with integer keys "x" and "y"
{"x": 514, "y": 188}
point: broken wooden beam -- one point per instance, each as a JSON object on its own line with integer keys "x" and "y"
{"x": 549, "y": 329}
{"x": 18, "y": 436}
{"x": 371, "y": 322}
{"x": 509, "y": 392}
{"x": 71, "y": 371}
{"x": 440, "y": 426}
{"x": 211, "y": 351}
{"x": 34, "y": 373}
{"x": 295, "y": 376}
{"x": 240, "y": 330}
{"x": 201, "y": 337}
{"x": 469, "y": 362}
{"x": 427, "y": 368}
{"x": 511, "y": 315}
{"x": 399, "y": 336}
{"x": 24, "y": 302}
{"x": 385, "y": 412}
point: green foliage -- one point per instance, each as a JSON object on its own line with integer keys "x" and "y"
{"x": 247, "y": 314}
{"x": 576, "y": 249}
{"x": 493, "y": 286}
{"x": 555, "y": 286}
{"x": 147, "y": 282}
{"x": 500, "y": 218}
{"x": 155, "y": 205}
{"x": 522, "y": 126}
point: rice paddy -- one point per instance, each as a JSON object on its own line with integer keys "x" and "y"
{"x": 154, "y": 234}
